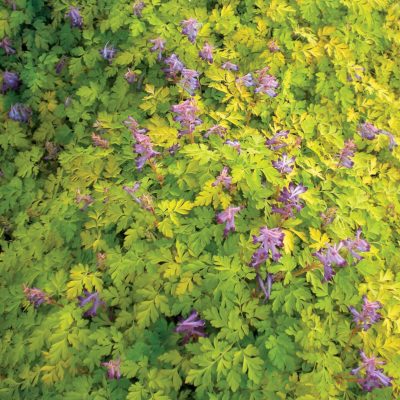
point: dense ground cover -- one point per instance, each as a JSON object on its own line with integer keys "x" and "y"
{"x": 200, "y": 199}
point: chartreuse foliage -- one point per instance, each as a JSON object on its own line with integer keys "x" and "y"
{"x": 68, "y": 227}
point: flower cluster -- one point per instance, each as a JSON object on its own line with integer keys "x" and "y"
{"x": 224, "y": 179}
{"x": 95, "y": 301}
{"x": 36, "y": 296}
{"x": 229, "y": 66}
{"x": 266, "y": 286}
{"x": 174, "y": 66}
{"x": 369, "y": 131}
{"x": 75, "y": 18}
{"x": 206, "y": 53}
{"x": 235, "y": 144}
{"x": 285, "y": 164}
{"x": 191, "y": 327}
{"x": 330, "y": 256}
{"x": 108, "y": 53}
{"x": 246, "y": 80}
{"x": 143, "y": 146}
{"x": 273, "y": 46}
{"x": 346, "y": 153}
{"x": 266, "y": 83}
{"x": 20, "y": 112}
{"x": 10, "y": 81}
{"x": 368, "y": 315}
{"x": 158, "y": 45}
{"x": 216, "y": 130}
{"x": 228, "y": 216}
{"x": 87, "y": 200}
{"x": 186, "y": 115}
{"x": 113, "y": 369}
{"x": 190, "y": 28}
{"x": 138, "y": 7}
{"x": 276, "y": 142}
{"x": 369, "y": 375}
{"x": 356, "y": 244}
{"x": 6, "y": 45}
{"x": 289, "y": 198}
{"x": 189, "y": 80}
{"x": 98, "y": 141}
{"x": 271, "y": 240}
{"x": 131, "y": 76}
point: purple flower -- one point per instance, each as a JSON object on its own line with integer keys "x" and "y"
{"x": 189, "y": 80}
{"x": 174, "y": 66}
{"x": 235, "y": 144}
{"x": 356, "y": 244}
{"x": 10, "y": 81}
{"x": 228, "y": 216}
{"x": 158, "y": 45}
{"x": 98, "y": 141}
{"x": 229, "y": 66}
{"x": 138, "y": 8}
{"x": 368, "y": 315}
{"x": 206, "y": 53}
{"x": 36, "y": 296}
{"x": 392, "y": 142}
{"x": 266, "y": 83}
{"x": 285, "y": 164}
{"x": 108, "y": 53}
{"x": 61, "y": 64}
{"x": 369, "y": 375}
{"x": 85, "y": 198}
{"x": 271, "y": 240}
{"x": 133, "y": 126}
{"x": 132, "y": 190}
{"x": 130, "y": 76}
{"x": 191, "y": 327}
{"x": 113, "y": 371}
{"x": 266, "y": 289}
{"x": 190, "y": 28}
{"x": 330, "y": 256}
{"x": 186, "y": 116}
{"x": 273, "y": 47}
{"x": 275, "y": 143}
{"x": 174, "y": 148}
{"x": 95, "y": 301}
{"x": 75, "y": 18}
{"x": 216, "y": 130}
{"x": 20, "y": 112}
{"x": 6, "y": 45}
{"x": 368, "y": 131}
{"x": 246, "y": 80}
{"x": 289, "y": 197}
{"x": 224, "y": 179}
{"x": 346, "y": 153}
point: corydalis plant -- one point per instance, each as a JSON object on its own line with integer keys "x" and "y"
{"x": 229, "y": 66}
{"x": 98, "y": 141}
{"x": 270, "y": 241}
{"x": 329, "y": 257}
{"x": 216, "y": 130}
{"x": 224, "y": 179}
{"x": 174, "y": 66}
{"x": 369, "y": 375}
{"x": 20, "y": 112}
{"x": 189, "y": 80}
{"x": 246, "y": 80}
{"x": 130, "y": 76}
{"x": 357, "y": 245}
{"x": 290, "y": 201}
{"x": 266, "y": 83}
{"x": 369, "y": 131}
{"x": 228, "y": 217}
{"x": 6, "y": 45}
{"x": 75, "y": 18}
{"x": 346, "y": 153}
{"x": 276, "y": 142}
{"x": 235, "y": 144}
{"x": 190, "y": 28}
{"x": 206, "y": 53}
{"x": 158, "y": 46}
{"x": 368, "y": 314}
{"x": 95, "y": 301}
{"x": 266, "y": 286}
{"x": 285, "y": 164}
{"x": 108, "y": 52}
{"x": 10, "y": 81}
{"x": 191, "y": 327}
{"x": 36, "y": 296}
{"x": 86, "y": 199}
{"x": 186, "y": 114}
{"x": 113, "y": 368}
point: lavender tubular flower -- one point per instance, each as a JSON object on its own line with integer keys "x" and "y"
{"x": 85, "y": 198}
{"x": 186, "y": 116}
{"x": 132, "y": 190}
{"x": 138, "y": 7}
{"x": 356, "y": 244}
{"x": 228, "y": 217}
{"x": 329, "y": 257}
{"x": 392, "y": 142}
{"x": 190, "y": 28}
{"x": 216, "y": 130}
{"x": 346, "y": 153}
{"x": 206, "y": 53}
{"x": 108, "y": 53}
{"x": 98, "y": 141}
{"x": 190, "y": 80}
{"x": 368, "y": 131}
{"x": 271, "y": 240}
{"x": 6, "y": 45}
{"x": 235, "y": 144}
{"x": 130, "y": 76}
{"x": 275, "y": 143}
{"x": 246, "y": 80}
{"x": 113, "y": 369}
{"x": 289, "y": 197}
{"x": 36, "y": 296}
{"x": 10, "y": 81}
{"x": 95, "y": 301}
{"x": 191, "y": 327}
{"x": 285, "y": 164}
{"x": 229, "y": 66}
{"x": 224, "y": 179}
{"x": 266, "y": 289}
{"x": 266, "y": 83}
{"x": 75, "y": 18}
{"x": 368, "y": 315}
{"x": 273, "y": 47}
{"x": 20, "y": 112}
{"x": 174, "y": 66}
{"x": 173, "y": 149}
{"x": 158, "y": 45}
{"x": 369, "y": 376}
